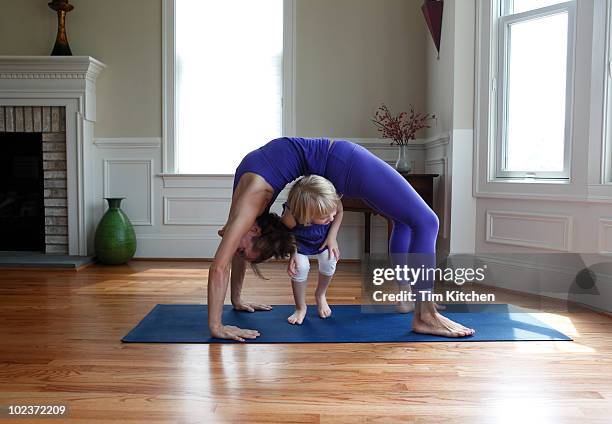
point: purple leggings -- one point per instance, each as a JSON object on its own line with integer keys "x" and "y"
{"x": 356, "y": 172}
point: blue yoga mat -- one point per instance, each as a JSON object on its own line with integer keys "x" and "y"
{"x": 348, "y": 324}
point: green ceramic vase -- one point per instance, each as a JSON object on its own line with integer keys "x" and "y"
{"x": 115, "y": 239}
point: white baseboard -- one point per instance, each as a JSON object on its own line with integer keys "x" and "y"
{"x": 176, "y": 246}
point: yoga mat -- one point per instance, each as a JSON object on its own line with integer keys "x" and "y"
{"x": 348, "y": 324}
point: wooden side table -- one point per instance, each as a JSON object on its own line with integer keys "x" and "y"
{"x": 422, "y": 183}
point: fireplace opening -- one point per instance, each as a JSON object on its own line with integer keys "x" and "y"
{"x": 22, "y": 209}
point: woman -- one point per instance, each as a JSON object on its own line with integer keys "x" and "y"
{"x": 355, "y": 172}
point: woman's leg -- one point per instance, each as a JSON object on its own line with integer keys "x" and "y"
{"x": 298, "y": 284}
{"x": 327, "y": 268}
{"x": 415, "y": 229}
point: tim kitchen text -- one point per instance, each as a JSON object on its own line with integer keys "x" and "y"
{"x": 449, "y": 296}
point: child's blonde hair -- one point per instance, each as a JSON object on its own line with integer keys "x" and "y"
{"x": 312, "y": 196}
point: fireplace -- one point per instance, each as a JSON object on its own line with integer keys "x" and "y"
{"x": 33, "y": 197}
{"x": 22, "y": 208}
{"x": 47, "y": 114}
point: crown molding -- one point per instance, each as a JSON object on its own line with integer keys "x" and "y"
{"x": 50, "y": 67}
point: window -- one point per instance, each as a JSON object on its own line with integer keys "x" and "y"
{"x": 534, "y": 88}
{"x": 225, "y": 65}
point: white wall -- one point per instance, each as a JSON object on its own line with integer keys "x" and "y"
{"x": 125, "y": 35}
{"x": 352, "y": 55}
{"x": 450, "y": 97}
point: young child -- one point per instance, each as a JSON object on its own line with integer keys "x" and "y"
{"x": 313, "y": 212}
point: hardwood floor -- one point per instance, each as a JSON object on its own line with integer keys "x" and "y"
{"x": 60, "y": 335}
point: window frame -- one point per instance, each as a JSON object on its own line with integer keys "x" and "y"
{"x": 606, "y": 145}
{"x": 169, "y": 119}
{"x": 501, "y": 31}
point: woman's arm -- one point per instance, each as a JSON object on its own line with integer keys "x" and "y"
{"x": 237, "y": 278}
{"x": 218, "y": 278}
{"x": 246, "y": 206}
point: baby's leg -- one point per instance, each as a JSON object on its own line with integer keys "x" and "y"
{"x": 298, "y": 284}
{"x": 327, "y": 268}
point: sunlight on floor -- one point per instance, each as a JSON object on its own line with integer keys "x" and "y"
{"x": 558, "y": 322}
{"x": 520, "y": 410}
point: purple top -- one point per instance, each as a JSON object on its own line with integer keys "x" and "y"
{"x": 282, "y": 160}
{"x": 310, "y": 238}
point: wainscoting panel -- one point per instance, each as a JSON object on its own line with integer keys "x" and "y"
{"x": 132, "y": 179}
{"x": 195, "y": 210}
{"x": 543, "y": 231}
{"x": 605, "y": 236}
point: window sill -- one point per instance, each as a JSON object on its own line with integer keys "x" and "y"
{"x": 171, "y": 180}
{"x": 545, "y": 181}
{"x": 558, "y": 191}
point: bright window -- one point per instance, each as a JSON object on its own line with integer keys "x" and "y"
{"x": 228, "y": 81}
{"x": 535, "y": 89}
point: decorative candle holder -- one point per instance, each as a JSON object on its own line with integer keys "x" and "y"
{"x": 61, "y": 47}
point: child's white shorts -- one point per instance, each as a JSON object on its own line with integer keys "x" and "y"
{"x": 326, "y": 266}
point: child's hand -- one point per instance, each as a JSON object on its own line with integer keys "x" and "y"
{"x": 332, "y": 248}
{"x": 292, "y": 267}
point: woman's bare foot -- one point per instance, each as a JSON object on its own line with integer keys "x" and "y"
{"x": 429, "y": 321}
{"x": 298, "y": 316}
{"x": 322, "y": 306}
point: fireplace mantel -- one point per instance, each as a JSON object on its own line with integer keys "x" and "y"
{"x": 70, "y": 82}
{"x": 27, "y": 75}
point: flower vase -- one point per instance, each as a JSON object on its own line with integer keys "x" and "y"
{"x": 403, "y": 164}
{"x": 115, "y": 239}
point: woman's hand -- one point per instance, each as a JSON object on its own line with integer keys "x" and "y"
{"x": 332, "y": 248}
{"x": 250, "y": 306}
{"x": 233, "y": 333}
{"x": 292, "y": 267}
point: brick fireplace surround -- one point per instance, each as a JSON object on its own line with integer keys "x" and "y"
{"x": 51, "y": 122}
{"x": 56, "y": 96}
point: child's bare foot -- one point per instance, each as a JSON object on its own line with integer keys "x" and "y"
{"x": 322, "y": 306}
{"x": 298, "y": 316}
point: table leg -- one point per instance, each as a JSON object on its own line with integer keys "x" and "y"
{"x": 389, "y": 230}
{"x": 367, "y": 232}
